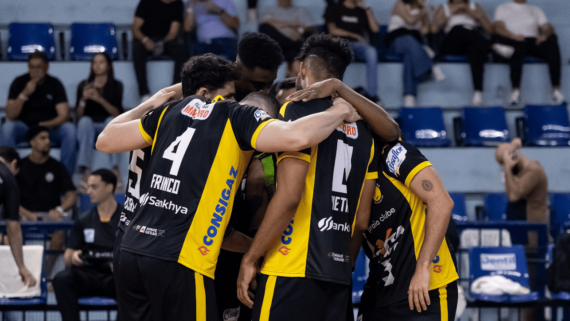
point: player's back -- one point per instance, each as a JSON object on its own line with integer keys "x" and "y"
{"x": 316, "y": 243}
{"x": 199, "y": 153}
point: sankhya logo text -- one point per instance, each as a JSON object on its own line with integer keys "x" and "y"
{"x": 162, "y": 204}
{"x": 327, "y": 224}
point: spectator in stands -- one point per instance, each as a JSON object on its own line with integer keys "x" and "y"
{"x": 155, "y": 31}
{"x": 289, "y": 26}
{"x": 525, "y": 28}
{"x": 89, "y": 254}
{"x": 467, "y": 28}
{"x": 281, "y": 90}
{"x": 408, "y": 23}
{"x": 217, "y": 24}
{"x": 10, "y": 201}
{"x": 351, "y": 19}
{"x": 43, "y": 182}
{"x": 38, "y": 99}
{"x": 99, "y": 99}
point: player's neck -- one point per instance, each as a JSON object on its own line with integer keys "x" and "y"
{"x": 106, "y": 208}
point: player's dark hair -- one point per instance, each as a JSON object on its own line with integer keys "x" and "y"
{"x": 107, "y": 176}
{"x": 286, "y": 83}
{"x": 35, "y": 131}
{"x": 259, "y": 50}
{"x": 334, "y": 53}
{"x": 209, "y": 71}
{"x": 264, "y": 101}
{"x": 38, "y": 54}
{"x": 10, "y": 154}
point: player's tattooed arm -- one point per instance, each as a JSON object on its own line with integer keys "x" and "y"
{"x": 429, "y": 187}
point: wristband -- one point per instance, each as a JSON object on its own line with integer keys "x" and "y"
{"x": 23, "y": 97}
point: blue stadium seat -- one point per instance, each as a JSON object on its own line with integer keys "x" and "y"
{"x": 97, "y": 301}
{"x": 359, "y": 277}
{"x": 496, "y": 206}
{"x": 454, "y": 58}
{"x": 547, "y": 125}
{"x": 88, "y": 39}
{"x": 459, "y": 212}
{"x": 560, "y": 214}
{"x": 509, "y": 262}
{"x": 423, "y": 126}
{"x": 26, "y": 38}
{"x": 483, "y": 126}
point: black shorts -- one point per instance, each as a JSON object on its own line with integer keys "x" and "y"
{"x": 227, "y": 270}
{"x": 117, "y": 253}
{"x": 299, "y": 299}
{"x": 153, "y": 289}
{"x": 442, "y": 308}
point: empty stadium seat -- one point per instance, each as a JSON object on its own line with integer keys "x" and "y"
{"x": 359, "y": 277}
{"x": 26, "y": 38}
{"x": 459, "y": 212}
{"x": 496, "y": 206}
{"x": 481, "y": 126}
{"x": 545, "y": 125}
{"x": 509, "y": 262}
{"x": 560, "y": 214}
{"x": 423, "y": 127}
{"x": 88, "y": 39}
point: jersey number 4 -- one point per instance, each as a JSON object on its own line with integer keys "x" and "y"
{"x": 342, "y": 166}
{"x": 177, "y": 149}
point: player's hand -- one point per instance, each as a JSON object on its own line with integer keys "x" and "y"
{"x": 75, "y": 259}
{"x": 246, "y": 277}
{"x": 27, "y": 277}
{"x": 418, "y": 293}
{"x": 353, "y": 115}
{"x": 160, "y": 98}
{"x": 321, "y": 89}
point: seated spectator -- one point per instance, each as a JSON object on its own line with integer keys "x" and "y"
{"x": 43, "y": 182}
{"x": 289, "y": 26}
{"x": 462, "y": 22}
{"x": 99, "y": 99}
{"x": 525, "y": 28}
{"x": 408, "y": 24}
{"x": 89, "y": 254}
{"x": 281, "y": 90}
{"x": 38, "y": 99}
{"x": 216, "y": 23}
{"x": 155, "y": 31}
{"x": 351, "y": 19}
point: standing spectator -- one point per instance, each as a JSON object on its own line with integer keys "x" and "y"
{"x": 99, "y": 99}
{"x": 287, "y": 25}
{"x": 155, "y": 31}
{"x": 38, "y": 99}
{"x": 526, "y": 29}
{"x": 43, "y": 182}
{"x": 462, "y": 22}
{"x": 351, "y": 19}
{"x": 89, "y": 254}
{"x": 217, "y": 23}
{"x": 408, "y": 23}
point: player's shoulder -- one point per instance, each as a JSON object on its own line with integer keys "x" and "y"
{"x": 304, "y": 108}
{"x": 397, "y": 146}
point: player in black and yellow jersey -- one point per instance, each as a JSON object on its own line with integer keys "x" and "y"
{"x": 412, "y": 268}
{"x": 307, "y": 228}
{"x": 200, "y": 150}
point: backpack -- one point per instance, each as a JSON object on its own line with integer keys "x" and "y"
{"x": 558, "y": 272}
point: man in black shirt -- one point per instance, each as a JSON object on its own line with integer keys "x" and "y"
{"x": 89, "y": 254}
{"x": 38, "y": 99}
{"x": 155, "y": 30}
{"x": 350, "y": 19}
{"x": 10, "y": 199}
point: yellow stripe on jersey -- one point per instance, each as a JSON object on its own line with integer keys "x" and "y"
{"x": 258, "y": 130}
{"x": 217, "y": 98}
{"x": 157, "y": 127}
{"x": 362, "y": 187}
{"x": 267, "y": 298}
{"x": 146, "y": 136}
{"x": 443, "y": 303}
{"x": 443, "y": 271}
{"x": 416, "y": 170}
{"x": 290, "y": 259}
{"x": 298, "y": 155}
{"x": 371, "y": 175}
{"x": 200, "y": 297}
{"x": 282, "y": 110}
{"x": 204, "y": 238}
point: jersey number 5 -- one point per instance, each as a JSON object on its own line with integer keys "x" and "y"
{"x": 342, "y": 166}
{"x": 177, "y": 149}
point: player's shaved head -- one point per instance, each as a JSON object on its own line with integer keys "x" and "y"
{"x": 265, "y": 102}
{"x": 326, "y": 56}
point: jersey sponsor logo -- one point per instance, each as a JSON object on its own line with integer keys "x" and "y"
{"x": 437, "y": 268}
{"x": 284, "y": 250}
{"x": 396, "y": 157}
{"x": 381, "y": 219}
{"x": 327, "y": 224}
{"x": 349, "y": 129}
{"x": 203, "y": 250}
{"x": 220, "y": 210}
{"x": 169, "y": 205}
{"x": 130, "y": 205}
{"x": 166, "y": 184}
{"x": 89, "y": 235}
{"x": 378, "y": 197}
{"x": 339, "y": 201}
{"x": 197, "y": 109}
{"x": 337, "y": 257}
{"x": 49, "y": 177}
{"x": 435, "y": 260}
{"x": 385, "y": 248}
{"x": 285, "y": 238}
{"x": 144, "y": 199}
{"x": 495, "y": 262}
{"x": 149, "y": 231}
{"x": 260, "y": 115}
{"x": 231, "y": 314}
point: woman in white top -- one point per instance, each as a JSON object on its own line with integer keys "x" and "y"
{"x": 409, "y": 21}
{"x": 462, "y": 22}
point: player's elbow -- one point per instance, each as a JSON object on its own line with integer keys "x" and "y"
{"x": 104, "y": 143}
{"x": 394, "y": 132}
